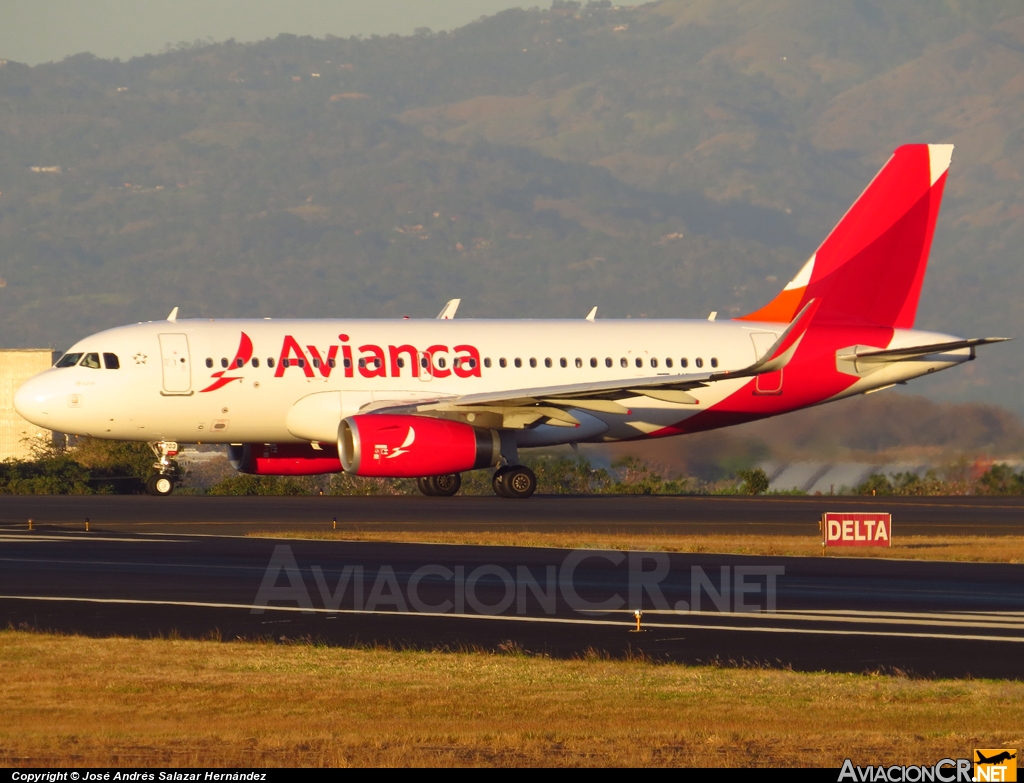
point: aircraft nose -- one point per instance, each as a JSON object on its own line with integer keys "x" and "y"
{"x": 35, "y": 400}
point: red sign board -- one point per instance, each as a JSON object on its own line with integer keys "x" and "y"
{"x": 844, "y": 529}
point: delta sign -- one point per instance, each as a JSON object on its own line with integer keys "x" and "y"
{"x": 845, "y": 529}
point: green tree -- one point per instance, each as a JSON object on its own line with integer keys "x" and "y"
{"x": 755, "y": 481}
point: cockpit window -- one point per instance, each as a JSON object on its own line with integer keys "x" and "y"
{"x": 111, "y": 362}
{"x": 68, "y": 360}
{"x": 91, "y": 360}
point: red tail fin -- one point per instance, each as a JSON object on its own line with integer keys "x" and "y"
{"x": 871, "y": 267}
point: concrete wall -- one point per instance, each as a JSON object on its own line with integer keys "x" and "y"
{"x": 16, "y": 367}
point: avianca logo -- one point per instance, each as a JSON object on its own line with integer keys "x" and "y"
{"x": 382, "y": 450}
{"x": 242, "y": 355}
{"x": 373, "y": 361}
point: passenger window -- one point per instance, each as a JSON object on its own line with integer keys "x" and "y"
{"x": 316, "y": 363}
{"x": 714, "y": 362}
{"x": 608, "y": 362}
{"x": 302, "y": 362}
{"x": 533, "y": 362}
{"x": 563, "y": 362}
{"x": 639, "y": 362}
{"x": 624, "y": 361}
{"x": 255, "y": 362}
{"x": 209, "y": 362}
{"x": 441, "y": 362}
{"x": 579, "y": 362}
{"x": 332, "y": 363}
{"x": 401, "y": 362}
{"x": 684, "y": 363}
{"x": 502, "y": 362}
{"x": 471, "y": 363}
{"x": 547, "y": 362}
{"x": 593, "y": 361}
{"x": 362, "y": 364}
{"x": 110, "y": 361}
{"x": 224, "y": 363}
{"x": 699, "y": 362}
{"x": 286, "y": 363}
{"x": 239, "y": 362}
{"x": 68, "y": 360}
{"x": 668, "y": 362}
{"x": 270, "y": 362}
{"x": 423, "y": 362}
{"x": 654, "y": 362}
{"x": 518, "y": 362}
{"x": 487, "y": 361}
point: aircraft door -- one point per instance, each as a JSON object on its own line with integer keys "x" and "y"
{"x": 769, "y": 383}
{"x": 177, "y": 367}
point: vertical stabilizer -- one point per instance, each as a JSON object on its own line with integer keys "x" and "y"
{"x": 871, "y": 267}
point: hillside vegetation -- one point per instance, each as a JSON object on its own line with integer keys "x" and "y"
{"x": 663, "y": 160}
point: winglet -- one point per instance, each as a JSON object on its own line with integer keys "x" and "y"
{"x": 448, "y": 311}
{"x": 592, "y": 314}
{"x": 779, "y": 355}
{"x": 173, "y": 317}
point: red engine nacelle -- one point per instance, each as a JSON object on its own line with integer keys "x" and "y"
{"x": 284, "y": 459}
{"x": 395, "y": 446}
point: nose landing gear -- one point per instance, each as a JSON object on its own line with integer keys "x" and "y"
{"x": 161, "y": 483}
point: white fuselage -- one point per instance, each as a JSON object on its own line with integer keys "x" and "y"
{"x": 181, "y": 381}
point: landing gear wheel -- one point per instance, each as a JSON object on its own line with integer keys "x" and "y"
{"x": 517, "y": 481}
{"x": 520, "y": 482}
{"x": 498, "y": 482}
{"x": 447, "y": 485}
{"x": 160, "y": 485}
{"x": 440, "y": 486}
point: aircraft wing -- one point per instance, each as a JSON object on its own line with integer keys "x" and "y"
{"x": 601, "y": 396}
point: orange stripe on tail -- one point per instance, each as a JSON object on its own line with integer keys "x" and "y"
{"x": 870, "y": 269}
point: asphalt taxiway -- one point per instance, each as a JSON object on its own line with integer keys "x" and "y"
{"x": 148, "y": 568}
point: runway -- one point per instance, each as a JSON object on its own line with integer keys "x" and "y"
{"x": 973, "y": 515}
{"x": 158, "y": 577}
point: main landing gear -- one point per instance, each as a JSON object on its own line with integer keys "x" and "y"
{"x": 161, "y": 483}
{"x": 514, "y": 481}
{"x": 510, "y": 481}
{"x": 440, "y": 486}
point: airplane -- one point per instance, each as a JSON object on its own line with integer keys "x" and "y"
{"x": 432, "y": 398}
{"x": 999, "y": 757}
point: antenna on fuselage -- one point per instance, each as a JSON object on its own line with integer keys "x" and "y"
{"x": 592, "y": 314}
{"x": 173, "y": 317}
{"x": 448, "y": 311}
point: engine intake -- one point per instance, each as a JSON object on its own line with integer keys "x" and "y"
{"x": 397, "y": 446}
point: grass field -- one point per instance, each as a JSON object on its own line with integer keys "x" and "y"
{"x": 1002, "y": 549}
{"x": 130, "y": 702}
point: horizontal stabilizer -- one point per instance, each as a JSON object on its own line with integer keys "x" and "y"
{"x": 915, "y": 351}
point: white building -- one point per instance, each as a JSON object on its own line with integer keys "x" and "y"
{"x": 16, "y": 434}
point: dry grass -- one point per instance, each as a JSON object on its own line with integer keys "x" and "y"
{"x": 129, "y": 702}
{"x": 989, "y": 549}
